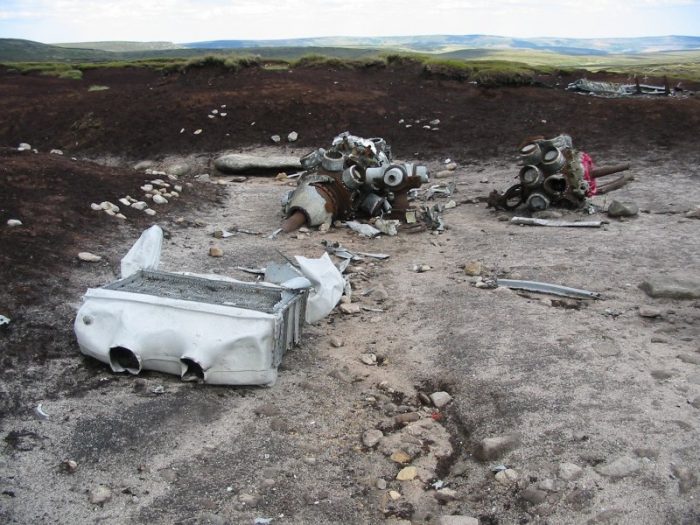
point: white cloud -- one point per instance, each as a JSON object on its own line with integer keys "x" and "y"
{"x": 189, "y": 20}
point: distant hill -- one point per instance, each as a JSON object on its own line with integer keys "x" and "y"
{"x": 121, "y": 47}
{"x": 443, "y": 43}
{"x": 446, "y": 46}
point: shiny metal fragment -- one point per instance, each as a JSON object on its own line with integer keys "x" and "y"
{"x": 530, "y": 221}
{"x": 553, "y": 289}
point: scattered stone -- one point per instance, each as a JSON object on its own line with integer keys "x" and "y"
{"x": 494, "y": 447}
{"x": 197, "y": 132}
{"x": 451, "y": 166}
{"x": 13, "y": 223}
{"x": 407, "y": 474}
{"x": 241, "y": 162}
{"x": 293, "y": 136}
{"x": 695, "y": 403}
{"x": 691, "y": 359}
{"x": 672, "y": 287}
{"x": 178, "y": 170}
{"x": 139, "y": 205}
{"x": 408, "y": 417}
{"x": 443, "y": 174}
{"x": 693, "y": 214}
{"x": 371, "y": 437}
{"x": 620, "y": 468}
{"x": 350, "y": 308}
{"x": 149, "y": 211}
{"x": 548, "y": 485}
{"x": 661, "y": 375}
{"x": 435, "y": 122}
{"x": 368, "y": 359}
{"x": 276, "y": 139}
{"x": 216, "y": 251}
{"x": 507, "y": 476}
{"x": 649, "y": 311}
{"x": 89, "y": 257}
{"x": 421, "y": 268}
{"x": 70, "y": 466}
{"x": 440, "y": 399}
{"x": 687, "y": 479}
{"x": 446, "y": 495}
{"x": 100, "y": 495}
{"x": 658, "y": 339}
{"x": 533, "y": 495}
{"x": 394, "y": 495}
{"x": 159, "y": 199}
{"x": 400, "y": 457}
{"x": 570, "y": 471}
{"x": 381, "y": 484}
{"x": 336, "y": 342}
{"x": 622, "y": 209}
{"x": 56, "y": 152}
{"x": 144, "y": 164}
{"x": 95, "y": 207}
{"x": 473, "y": 268}
{"x": 457, "y": 520}
{"x": 24, "y": 147}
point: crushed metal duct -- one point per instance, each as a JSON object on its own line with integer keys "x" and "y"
{"x": 554, "y": 173}
{"x": 354, "y": 177}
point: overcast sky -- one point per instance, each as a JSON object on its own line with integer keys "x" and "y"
{"x": 195, "y": 20}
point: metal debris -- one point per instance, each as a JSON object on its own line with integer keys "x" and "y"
{"x": 554, "y": 173}
{"x": 554, "y": 289}
{"x": 529, "y": 221}
{"x": 354, "y": 177}
{"x": 40, "y": 412}
{"x": 611, "y": 89}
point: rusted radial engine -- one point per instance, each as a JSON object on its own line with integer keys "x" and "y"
{"x": 354, "y": 177}
{"x": 554, "y": 173}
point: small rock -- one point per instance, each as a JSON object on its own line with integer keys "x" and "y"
{"x": 672, "y": 287}
{"x": 120, "y": 216}
{"x": 381, "y": 484}
{"x": 400, "y": 457}
{"x": 507, "y": 476}
{"x": 100, "y": 495}
{"x": 336, "y": 342}
{"x": 533, "y": 495}
{"x": 197, "y": 132}
{"x": 407, "y": 474}
{"x": 56, "y": 152}
{"x": 620, "y": 468}
{"x": 24, "y": 147}
{"x": 440, "y": 399}
{"x": 649, "y": 311}
{"x": 149, "y": 211}
{"x": 216, "y": 251}
{"x": 394, "y": 495}
{"x": 473, "y": 268}
{"x": 421, "y": 268}
{"x": 159, "y": 199}
{"x": 435, "y": 122}
{"x": 687, "y": 479}
{"x": 457, "y": 520}
{"x": 139, "y": 205}
{"x": 95, "y": 207}
{"x": 494, "y": 447}
{"x": 350, "y": 308}
{"x": 70, "y": 466}
{"x": 13, "y": 223}
{"x": 693, "y": 214}
{"x": 661, "y": 375}
{"x": 446, "y": 495}
{"x": 548, "y": 485}
{"x": 293, "y": 136}
{"x": 451, "y": 166}
{"x": 89, "y": 257}
{"x": 695, "y": 403}
{"x": 443, "y": 174}
{"x": 622, "y": 209}
{"x": 368, "y": 359}
{"x": 276, "y": 139}
{"x": 371, "y": 437}
{"x": 570, "y": 471}
{"x": 691, "y": 359}
{"x": 408, "y": 417}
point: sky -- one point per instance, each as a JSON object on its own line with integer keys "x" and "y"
{"x": 180, "y": 21}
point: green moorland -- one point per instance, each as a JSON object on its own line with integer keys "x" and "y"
{"x": 487, "y": 66}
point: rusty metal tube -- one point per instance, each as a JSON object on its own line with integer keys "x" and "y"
{"x": 609, "y": 170}
{"x": 295, "y": 221}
